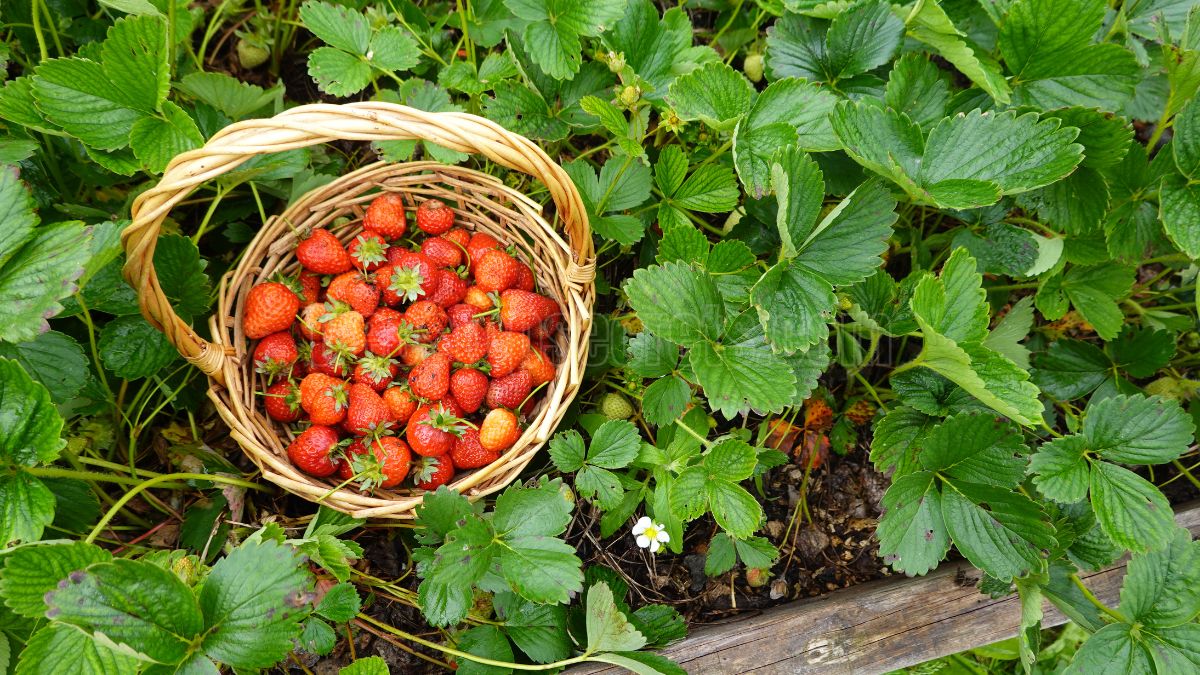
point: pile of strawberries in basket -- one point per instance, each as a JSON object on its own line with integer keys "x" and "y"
{"x": 428, "y": 342}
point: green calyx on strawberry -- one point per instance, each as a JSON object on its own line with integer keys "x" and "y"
{"x": 443, "y": 420}
{"x": 407, "y": 283}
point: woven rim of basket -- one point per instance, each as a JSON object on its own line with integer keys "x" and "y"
{"x": 564, "y": 269}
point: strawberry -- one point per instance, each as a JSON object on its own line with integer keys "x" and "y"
{"x": 431, "y": 430}
{"x": 270, "y": 307}
{"x": 385, "y": 466}
{"x": 355, "y": 289}
{"x": 346, "y": 334}
{"x": 496, "y": 271}
{"x": 434, "y": 217}
{"x": 430, "y": 378}
{"x": 428, "y": 319}
{"x": 469, "y": 386}
{"x": 311, "y": 320}
{"x": 376, "y": 371}
{"x": 322, "y": 253}
{"x": 505, "y": 352}
{"x": 312, "y": 450}
{"x": 282, "y": 401}
{"x": 411, "y": 276}
{"x": 467, "y": 453}
{"x": 388, "y": 331}
{"x": 461, "y": 314}
{"x": 539, "y": 366}
{"x": 543, "y": 332}
{"x": 368, "y": 251}
{"x": 479, "y": 299}
{"x": 466, "y": 344}
{"x": 400, "y": 402}
{"x": 451, "y": 406}
{"x": 499, "y": 430}
{"x": 615, "y": 406}
{"x": 525, "y": 280}
{"x": 443, "y": 252}
{"x": 459, "y": 237}
{"x": 477, "y": 245}
{"x": 324, "y": 398}
{"x": 275, "y": 354}
{"x": 451, "y": 289}
{"x": 327, "y": 361}
{"x": 509, "y": 391}
{"x": 522, "y": 310}
{"x": 413, "y": 354}
{"x": 367, "y": 413}
{"x": 429, "y": 473}
{"x": 310, "y": 287}
{"x": 386, "y": 216}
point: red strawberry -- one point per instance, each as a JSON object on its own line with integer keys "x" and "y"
{"x": 376, "y": 371}
{"x": 506, "y": 350}
{"x": 525, "y": 280}
{"x": 458, "y": 236}
{"x": 461, "y": 314}
{"x": 451, "y": 289}
{"x": 499, "y": 430}
{"x": 467, "y": 453}
{"x": 411, "y": 276}
{"x": 400, "y": 402}
{"x": 368, "y": 251}
{"x": 283, "y": 401}
{"x": 388, "y": 331}
{"x": 477, "y": 245}
{"x": 270, "y": 308}
{"x": 411, "y": 355}
{"x": 509, "y": 391}
{"x": 479, "y": 299}
{"x": 496, "y": 271}
{"x": 431, "y": 472}
{"x": 522, "y": 310}
{"x": 443, "y": 252}
{"x": 539, "y": 366}
{"x": 386, "y": 216}
{"x": 311, "y": 320}
{"x": 346, "y": 334}
{"x": 310, "y": 287}
{"x": 434, "y": 217}
{"x": 367, "y": 413}
{"x": 323, "y": 253}
{"x": 312, "y": 450}
{"x": 275, "y": 354}
{"x": 327, "y": 361}
{"x": 324, "y": 398}
{"x": 428, "y": 319}
{"x": 385, "y": 466}
{"x": 430, "y": 378}
{"x": 354, "y": 289}
{"x": 431, "y": 430}
{"x": 466, "y": 344}
{"x": 469, "y": 386}
{"x": 451, "y": 406}
{"x": 543, "y": 332}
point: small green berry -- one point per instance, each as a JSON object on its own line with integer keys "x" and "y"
{"x": 615, "y": 407}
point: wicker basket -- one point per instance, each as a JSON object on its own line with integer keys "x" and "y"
{"x": 564, "y": 269}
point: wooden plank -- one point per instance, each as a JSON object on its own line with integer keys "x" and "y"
{"x": 873, "y": 627}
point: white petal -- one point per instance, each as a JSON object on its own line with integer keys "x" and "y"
{"x": 643, "y": 541}
{"x": 654, "y": 546}
{"x": 641, "y": 525}
{"x": 663, "y": 536}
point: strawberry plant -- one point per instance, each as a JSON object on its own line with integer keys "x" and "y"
{"x": 941, "y": 251}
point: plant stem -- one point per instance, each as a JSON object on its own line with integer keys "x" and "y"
{"x": 472, "y": 657}
{"x": 692, "y": 431}
{"x": 158, "y": 481}
{"x": 59, "y": 472}
{"x": 1091, "y": 597}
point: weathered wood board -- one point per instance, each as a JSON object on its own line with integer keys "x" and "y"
{"x": 874, "y": 627}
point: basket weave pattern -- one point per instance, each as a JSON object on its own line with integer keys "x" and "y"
{"x": 563, "y": 268}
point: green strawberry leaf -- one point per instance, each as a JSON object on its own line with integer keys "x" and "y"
{"x": 1162, "y": 588}
{"x": 1132, "y": 512}
{"x": 1060, "y": 471}
{"x": 861, "y": 37}
{"x": 664, "y": 400}
{"x": 337, "y": 26}
{"x": 1069, "y": 369}
{"x": 917, "y": 88}
{"x": 657, "y": 50}
{"x": 789, "y": 112}
{"x": 1004, "y": 533}
{"x": 1137, "y": 429}
{"x": 553, "y": 29}
{"x": 912, "y": 532}
{"x": 236, "y": 99}
{"x": 30, "y": 572}
{"x": 714, "y": 94}
{"x": 488, "y": 642}
{"x": 608, "y": 629}
{"x": 677, "y": 302}
{"x": 61, "y": 647}
{"x": 932, "y": 26}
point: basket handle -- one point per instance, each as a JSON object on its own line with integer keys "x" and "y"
{"x": 310, "y": 125}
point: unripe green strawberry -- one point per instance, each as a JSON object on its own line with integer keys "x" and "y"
{"x": 753, "y": 67}
{"x": 615, "y": 407}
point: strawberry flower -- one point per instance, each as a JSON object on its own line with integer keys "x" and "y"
{"x": 649, "y": 534}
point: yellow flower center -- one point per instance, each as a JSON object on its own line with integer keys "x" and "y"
{"x": 651, "y": 533}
